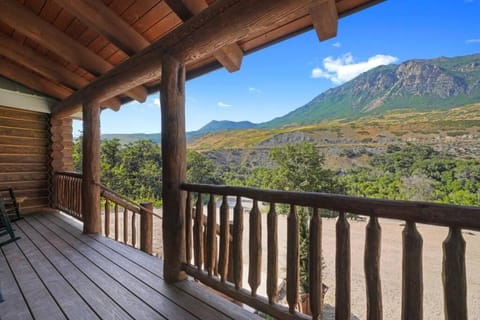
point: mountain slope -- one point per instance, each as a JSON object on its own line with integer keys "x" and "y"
{"x": 439, "y": 83}
{"x": 217, "y": 126}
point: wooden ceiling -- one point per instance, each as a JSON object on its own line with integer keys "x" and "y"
{"x": 58, "y": 47}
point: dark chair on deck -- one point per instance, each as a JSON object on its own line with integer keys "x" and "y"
{"x": 5, "y": 226}
{"x": 11, "y": 203}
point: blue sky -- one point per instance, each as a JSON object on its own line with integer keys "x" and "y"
{"x": 283, "y": 77}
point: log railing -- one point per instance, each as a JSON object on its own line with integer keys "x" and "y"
{"x": 203, "y": 257}
{"x": 123, "y": 219}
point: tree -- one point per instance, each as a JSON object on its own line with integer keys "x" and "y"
{"x": 200, "y": 169}
{"x": 299, "y": 167}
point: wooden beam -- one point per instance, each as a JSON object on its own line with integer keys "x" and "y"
{"x": 32, "y": 26}
{"x": 14, "y": 51}
{"x": 32, "y": 80}
{"x": 197, "y": 38}
{"x": 174, "y": 146}
{"x": 92, "y": 222}
{"x": 325, "y": 18}
{"x": 102, "y": 19}
{"x": 229, "y": 56}
{"x": 180, "y": 9}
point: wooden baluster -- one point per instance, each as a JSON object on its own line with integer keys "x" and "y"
{"x": 372, "y": 269}
{"x": 412, "y": 273}
{"x": 188, "y": 228}
{"x": 293, "y": 259}
{"x": 146, "y": 227}
{"x": 78, "y": 197}
{"x": 125, "y": 225}
{"x": 116, "y": 222}
{"x": 342, "y": 269}
{"x": 107, "y": 218}
{"x": 255, "y": 248}
{"x": 198, "y": 233}
{"x": 454, "y": 276}
{"x": 315, "y": 265}
{"x": 134, "y": 229}
{"x": 272, "y": 256}
{"x": 211, "y": 236}
{"x": 237, "y": 243}
{"x": 224, "y": 240}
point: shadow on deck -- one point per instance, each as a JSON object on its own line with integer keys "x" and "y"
{"x": 56, "y": 272}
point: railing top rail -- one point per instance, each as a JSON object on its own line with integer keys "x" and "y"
{"x": 114, "y": 196}
{"x": 422, "y": 212}
{"x": 69, "y": 174}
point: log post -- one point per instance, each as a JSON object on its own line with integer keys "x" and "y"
{"x": 146, "y": 227}
{"x": 172, "y": 97}
{"x": 92, "y": 222}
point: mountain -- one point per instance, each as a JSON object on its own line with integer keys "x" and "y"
{"x": 211, "y": 127}
{"x": 440, "y": 83}
{"x": 217, "y": 126}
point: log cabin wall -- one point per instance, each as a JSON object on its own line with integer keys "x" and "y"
{"x": 26, "y": 154}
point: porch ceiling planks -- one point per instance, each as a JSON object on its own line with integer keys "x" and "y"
{"x": 74, "y": 36}
{"x": 94, "y": 277}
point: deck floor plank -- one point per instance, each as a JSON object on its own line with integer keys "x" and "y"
{"x": 155, "y": 266}
{"x": 105, "y": 307}
{"x": 14, "y": 306}
{"x": 143, "y": 291}
{"x": 129, "y": 302}
{"x": 58, "y": 272}
{"x": 41, "y": 303}
{"x": 67, "y": 298}
{"x": 172, "y": 293}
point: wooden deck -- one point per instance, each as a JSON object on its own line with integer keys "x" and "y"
{"x": 56, "y": 272}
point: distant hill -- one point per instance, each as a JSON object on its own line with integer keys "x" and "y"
{"x": 211, "y": 127}
{"x": 132, "y": 137}
{"x": 422, "y": 85}
{"x": 218, "y": 126}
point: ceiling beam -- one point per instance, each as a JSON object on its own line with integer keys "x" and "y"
{"x": 325, "y": 18}
{"x": 32, "y": 80}
{"x": 179, "y": 9}
{"x": 26, "y": 22}
{"x": 196, "y": 38}
{"x": 97, "y": 16}
{"x": 29, "y": 58}
{"x": 230, "y": 56}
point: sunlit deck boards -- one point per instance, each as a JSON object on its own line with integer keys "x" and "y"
{"x": 56, "y": 272}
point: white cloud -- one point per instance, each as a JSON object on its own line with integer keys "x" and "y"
{"x": 337, "y": 44}
{"x": 223, "y": 104}
{"x": 345, "y": 68}
{"x": 156, "y": 101}
{"x": 470, "y": 41}
{"x": 254, "y": 90}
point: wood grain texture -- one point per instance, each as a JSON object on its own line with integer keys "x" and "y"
{"x": 412, "y": 273}
{"x": 373, "y": 240}
{"x": 272, "y": 255}
{"x": 454, "y": 276}
{"x": 325, "y": 18}
{"x": 91, "y": 169}
{"x": 255, "y": 249}
{"x": 293, "y": 259}
{"x": 315, "y": 264}
{"x": 146, "y": 227}
{"x": 237, "y": 243}
{"x": 223, "y": 257}
{"x": 198, "y": 233}
{"x": 188, "y": 228}
{"x": 342, "y": 269}
{"x": 211, "y": 234}
{"x": 174, "y": 143}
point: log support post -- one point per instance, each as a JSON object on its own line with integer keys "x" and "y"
{"x": 91, "y": 168}
{"x": 172, "y": 97}
{"x": 146, "y": 227}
